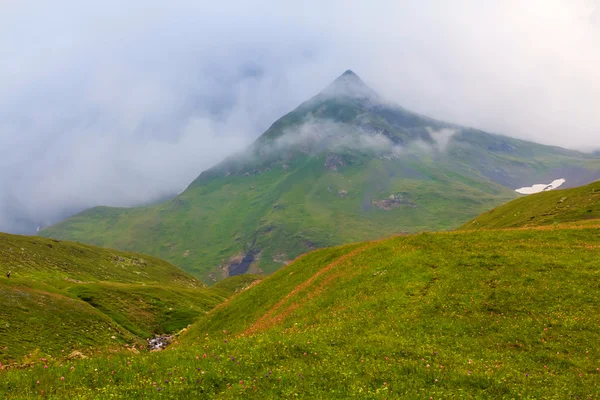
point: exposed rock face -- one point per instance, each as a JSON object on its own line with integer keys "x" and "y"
{"x": 342, "y": 193}
{"x": 333, "y": 161}
{"x": 239, "y": 267}
{"x": 393, "y": 201}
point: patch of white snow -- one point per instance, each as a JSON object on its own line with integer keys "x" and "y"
{"x": 542, "y": 187}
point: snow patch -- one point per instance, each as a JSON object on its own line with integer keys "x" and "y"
{"x": 541, "y": 187}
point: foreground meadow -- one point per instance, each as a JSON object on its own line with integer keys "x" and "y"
{"x": 488, "y": 314}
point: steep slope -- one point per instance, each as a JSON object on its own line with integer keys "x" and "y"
{"x": 479, "y": 314}
{"x": 63, "y": 296}
{"x": 546, "y": 208}
{"x": 344, "y": 166}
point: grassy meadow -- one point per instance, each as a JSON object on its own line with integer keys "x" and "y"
{"x": 474, "y": 314}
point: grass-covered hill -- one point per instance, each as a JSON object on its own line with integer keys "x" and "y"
{"x": 64, "y": 296}
{"x": 546, "y": 208}
{"x": 476, "y": 314}
{"x": 345, "y": 166}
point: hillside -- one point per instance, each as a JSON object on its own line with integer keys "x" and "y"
{"x": 479, "y": 314}
{"x": 546, "y": 208}
{"x": 344, "y": 166}
{"x": 64, "y": 296}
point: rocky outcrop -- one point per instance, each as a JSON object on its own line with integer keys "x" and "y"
{"x": 241, "y": 266}
{"x": 393, "y": 201}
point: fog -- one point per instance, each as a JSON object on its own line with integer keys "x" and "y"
{"x": 124, "y": 103}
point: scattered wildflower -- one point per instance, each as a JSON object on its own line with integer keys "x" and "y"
{"x": 62, "y": 378}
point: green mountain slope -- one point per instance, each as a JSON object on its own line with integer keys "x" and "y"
{"x": 479, "y": 314}
{"x": 344, "y": 166}
{"x": 64, "y": 296}
{"x": 546, "y": 208}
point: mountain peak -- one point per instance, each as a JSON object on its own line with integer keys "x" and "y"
{"x": 350, "y": 73}
{"x": 349, "y": 85}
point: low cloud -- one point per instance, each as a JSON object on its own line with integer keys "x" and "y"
{"x": 315, "y": 136}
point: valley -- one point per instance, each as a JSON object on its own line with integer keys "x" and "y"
{"x": 63, "y": 297}
{"x": 477, "y": 314}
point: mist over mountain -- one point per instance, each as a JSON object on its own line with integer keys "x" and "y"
{"x": 123, "y": 105}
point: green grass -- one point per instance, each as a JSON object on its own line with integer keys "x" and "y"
{"x": 236, "y": 284}
{"x": 478, "y": 314}
{"x": 546, "y": 208}
{"x": 64, "y": 296}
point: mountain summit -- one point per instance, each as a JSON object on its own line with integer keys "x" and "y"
{"x": 343, "y": 166}
{"x": 350, "y": 85}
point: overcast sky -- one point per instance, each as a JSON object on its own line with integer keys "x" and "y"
{"x": 123, "y": 102}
